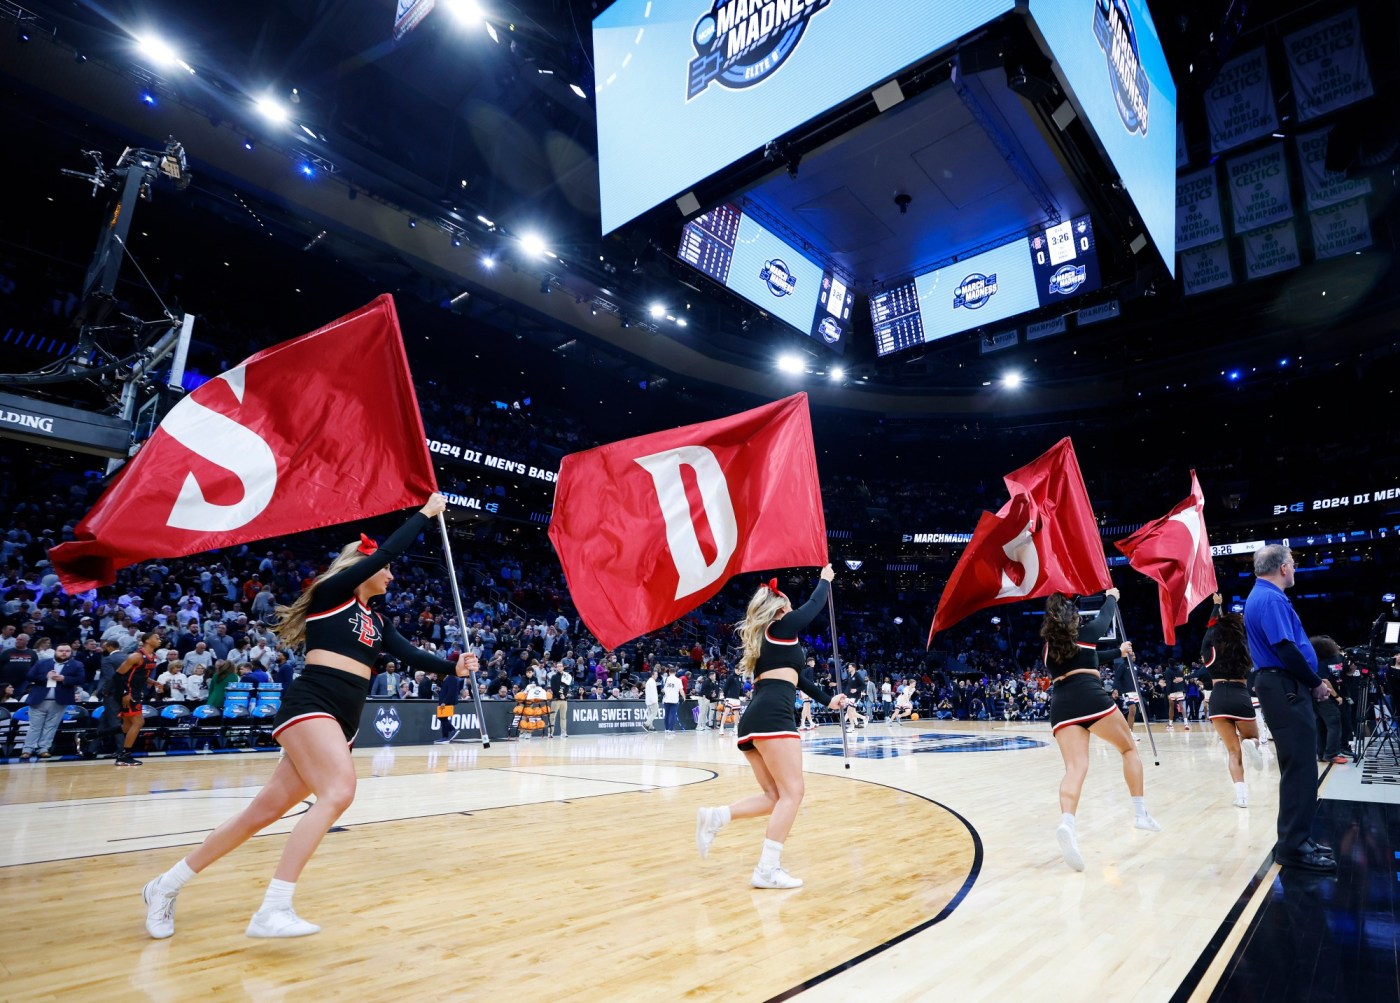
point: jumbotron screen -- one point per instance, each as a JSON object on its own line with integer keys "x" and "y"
{"x": 745, "y": 257}
{"x": 1053, "y": 264}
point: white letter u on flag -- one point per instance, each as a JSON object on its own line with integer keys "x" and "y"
{"x": 220, "y": 440}
{"x": 681, "y": 538}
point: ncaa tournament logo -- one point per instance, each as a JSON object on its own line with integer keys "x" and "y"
{"x": 1066, "y": 280}
{"x": 778, "y": 277}
{"x": 975, "y": 291}
{"x": 386, "y": 722}
{"x": 1113, "y": 27}
{"x": 740, "y": 43}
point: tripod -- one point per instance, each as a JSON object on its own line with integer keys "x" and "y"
{"x": 1383, "y": 737}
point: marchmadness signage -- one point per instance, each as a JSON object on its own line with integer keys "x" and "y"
{"x": 687, "y": 87}
{"x": 45, "y": 424}
{"x": 415, "y": 722}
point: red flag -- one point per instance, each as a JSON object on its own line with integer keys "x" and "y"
{"x": 649, "y": 528}
{"x": 1043, "y": 540}
{"x": 315, "y": 431}
{"x": 1174, "y": 551}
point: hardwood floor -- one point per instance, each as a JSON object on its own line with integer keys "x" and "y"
{"x": 567, "y": 869}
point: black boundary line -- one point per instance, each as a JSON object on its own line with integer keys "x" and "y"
{"x": 1227, "y": 926}
{"x": 944, "y": 913}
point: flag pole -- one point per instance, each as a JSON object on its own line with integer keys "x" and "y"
{"x": 1142, "y": 699}
{"x": 462, "y": 630}
{"x": 836, "y": 656}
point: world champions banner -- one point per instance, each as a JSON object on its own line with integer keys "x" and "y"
{"x": 1271, "y": 249}
{"x": 1206, "y": 268}
{"x": 1328, "y": 63}
{"x": 1240, "y": 102}
{"x": 1259, "y": 189}
{"x": 1198, "y": 209}
{"x": 1324, "y": 187}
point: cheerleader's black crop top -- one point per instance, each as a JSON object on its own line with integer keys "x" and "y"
{"x": 348, "y": 627}
{"x": 780, "y": 649}
{"x": 1090, "y": 643}
{"x": 1215, "y": 667}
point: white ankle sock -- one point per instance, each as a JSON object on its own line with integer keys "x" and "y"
{"x": 1241, "y": 790}
{"x": 772, "y": 854}
{"x": 1139, "y": 807}
{"x": 279, "y": 894}
{"x": 1067, "y": 819}
{"x": 175, "y": 878}
{"x": 720, "y": 816}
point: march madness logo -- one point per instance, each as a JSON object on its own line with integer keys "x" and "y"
{"x": 975, "y": 291}
{"x": 387, "y": 723}
{"x": 740, "y": 43}
{"x": 1067, "y": 279}
{"x": 1113, "y": 27}
{"x": 778, "y": 277}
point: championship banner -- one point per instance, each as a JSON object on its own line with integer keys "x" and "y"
{"x": 1240, "y": 102}
{"x": 1198, "y": 210}
{"x": 1341, "y": 229}
{"x": 1183, "y": 156}
{"x": 1259, "y": 189}
{"x": 1206, "y": 268}
{"x": 1271, "y": 249}
{"x": 1328, "y": 63}
{"x": 1325, "y": 187}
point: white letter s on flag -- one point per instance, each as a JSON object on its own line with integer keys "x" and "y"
{"x": 665, "y": 470}
{"x": 222, "y": 441}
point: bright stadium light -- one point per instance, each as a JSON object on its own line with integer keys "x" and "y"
{"x": 466, "y": 11}
{"x": 272, "y": 110}
{"x": 790, "y": 363}
{"x": 157, "y": 50}
{"x": 1011, "y": 380}
{"x": 657, "y": 311}
{"x": 837, "y": 374}
{"x": 533, "y": 245}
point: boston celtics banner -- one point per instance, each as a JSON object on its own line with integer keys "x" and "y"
{"x": 1328, "y": 64}
{"x": 1240, "y": 102}
{"x": 1271, "y": 249}
{"x": 1325, "y": 187}
{"x": 1206, "y": 268}
{"x": 1198, "y": 209}
{"x": 1259, "y": 188}
{"x": 1341, "y": 229}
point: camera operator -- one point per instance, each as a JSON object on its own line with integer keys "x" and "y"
{"x": 1353, "y": 686}
{"x": 1328, "y": 709}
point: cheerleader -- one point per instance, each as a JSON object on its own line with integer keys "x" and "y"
{"x": 1080, "y": 706}
{"x": 768, "y": 728}
{"x": 1225, "y": 657}
{"x": 316, "y": 726}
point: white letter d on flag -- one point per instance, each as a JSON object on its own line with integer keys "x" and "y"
{"x": 684, "y": 543}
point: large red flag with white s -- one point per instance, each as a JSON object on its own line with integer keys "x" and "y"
{"x": 649, "y": 528}
{"x": 1043, "y": 540}
{"x": 1174, "y": 551}
{"x": 315, "y": 431}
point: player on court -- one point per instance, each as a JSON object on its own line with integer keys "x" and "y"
{"x": 904, "y": 702}
{"x": 1225, "y": 658}
{"x": 317, "y": 722}
{"x": 1080, "y": 706}
{"x": 767, "y": 732}
{"x": 135, "y": 675}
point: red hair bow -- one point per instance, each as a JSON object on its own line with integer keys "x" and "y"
{"x": 367, "y": 546}
{"x": 772, "y": 586}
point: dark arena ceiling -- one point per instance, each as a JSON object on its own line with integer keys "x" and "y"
{"x": 418, "y": 166}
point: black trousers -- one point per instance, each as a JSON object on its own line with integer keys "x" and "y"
{"x": 1329, "y": 728}
{"x": 1288, "y": 711}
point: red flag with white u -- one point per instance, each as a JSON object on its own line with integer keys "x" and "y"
{"x": 649, "y": 528}
{"x": 1174, "y": 551}
{"x": 318, "y": 430}
{"x": 1043, "y": 540}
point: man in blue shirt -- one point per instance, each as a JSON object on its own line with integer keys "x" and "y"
{"x": 1287, "y": 684}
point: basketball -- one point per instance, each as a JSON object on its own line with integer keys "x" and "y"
{"x": 913, "y": 717}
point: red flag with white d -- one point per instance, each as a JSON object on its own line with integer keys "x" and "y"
{"x": 315, "y": 431}
{"x": 649, "y": 528}
{"x": 1043, "y": 540}
{"x": 1174, "y": 551}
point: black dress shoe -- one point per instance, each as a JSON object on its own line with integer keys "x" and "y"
{"x": 1313, "y": 846}
{"x": 1309, "y": 862}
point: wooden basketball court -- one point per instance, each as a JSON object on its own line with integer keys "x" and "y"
{"x": 567, "y": 869}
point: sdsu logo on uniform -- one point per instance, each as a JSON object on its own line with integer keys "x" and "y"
{"x": 1067, "y": 279}
{"x": 739, "y": 43}
{"x": 975, "y": 291}
{"x": 779, "y": 278}
{"x": 1113, "y": 27}
{"x": 387, "y": 723}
